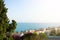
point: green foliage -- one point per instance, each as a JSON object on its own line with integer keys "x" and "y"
{"x": 42, "y": 36}
{"x": 53, "y": 32}
{"x": 3, "y": 19}
{"x": 4, "y": 22}
{"x": 34, "y": 36}
{"x": 58, "y": 34}
{"x": 12, "y": 26}
{"x": 30, "y": 37}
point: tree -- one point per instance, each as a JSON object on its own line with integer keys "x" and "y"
{"x": 11, "y": 29}
{"x": 58, "y": 32}
{"x": 53, "y": 32}
{"x": 12, "y": 26}
{"x": 33, "y": 36}
{"x": 4, "y": 21}
{"x": 30, "y": 36}
{"x": 43, "y": 36}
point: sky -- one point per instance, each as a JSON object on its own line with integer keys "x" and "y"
{"x": 40, "y": 11}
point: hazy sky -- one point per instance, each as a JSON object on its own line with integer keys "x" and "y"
{"x": 46, "y": 11}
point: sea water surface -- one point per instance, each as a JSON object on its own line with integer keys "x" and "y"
{"x": 29, "y": 26}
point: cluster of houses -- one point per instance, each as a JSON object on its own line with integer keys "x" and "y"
{"x": 41, "y": 30}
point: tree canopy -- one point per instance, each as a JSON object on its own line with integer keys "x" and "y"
{"x": 33, "y": 36}
{"x": 5, "y": 26}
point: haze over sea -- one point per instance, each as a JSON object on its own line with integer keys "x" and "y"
{"x": 29, "y": 26}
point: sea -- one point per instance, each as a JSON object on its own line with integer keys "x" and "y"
{"x": 30, "y": 26}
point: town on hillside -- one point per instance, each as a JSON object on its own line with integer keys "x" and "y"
{"x": 51, "y": 32}
{"x": 47, "y": 31}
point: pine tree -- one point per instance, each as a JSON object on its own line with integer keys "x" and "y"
{"x": 4, "y": 21}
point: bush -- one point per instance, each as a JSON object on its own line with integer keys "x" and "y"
{"x": 34, "y": 36}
